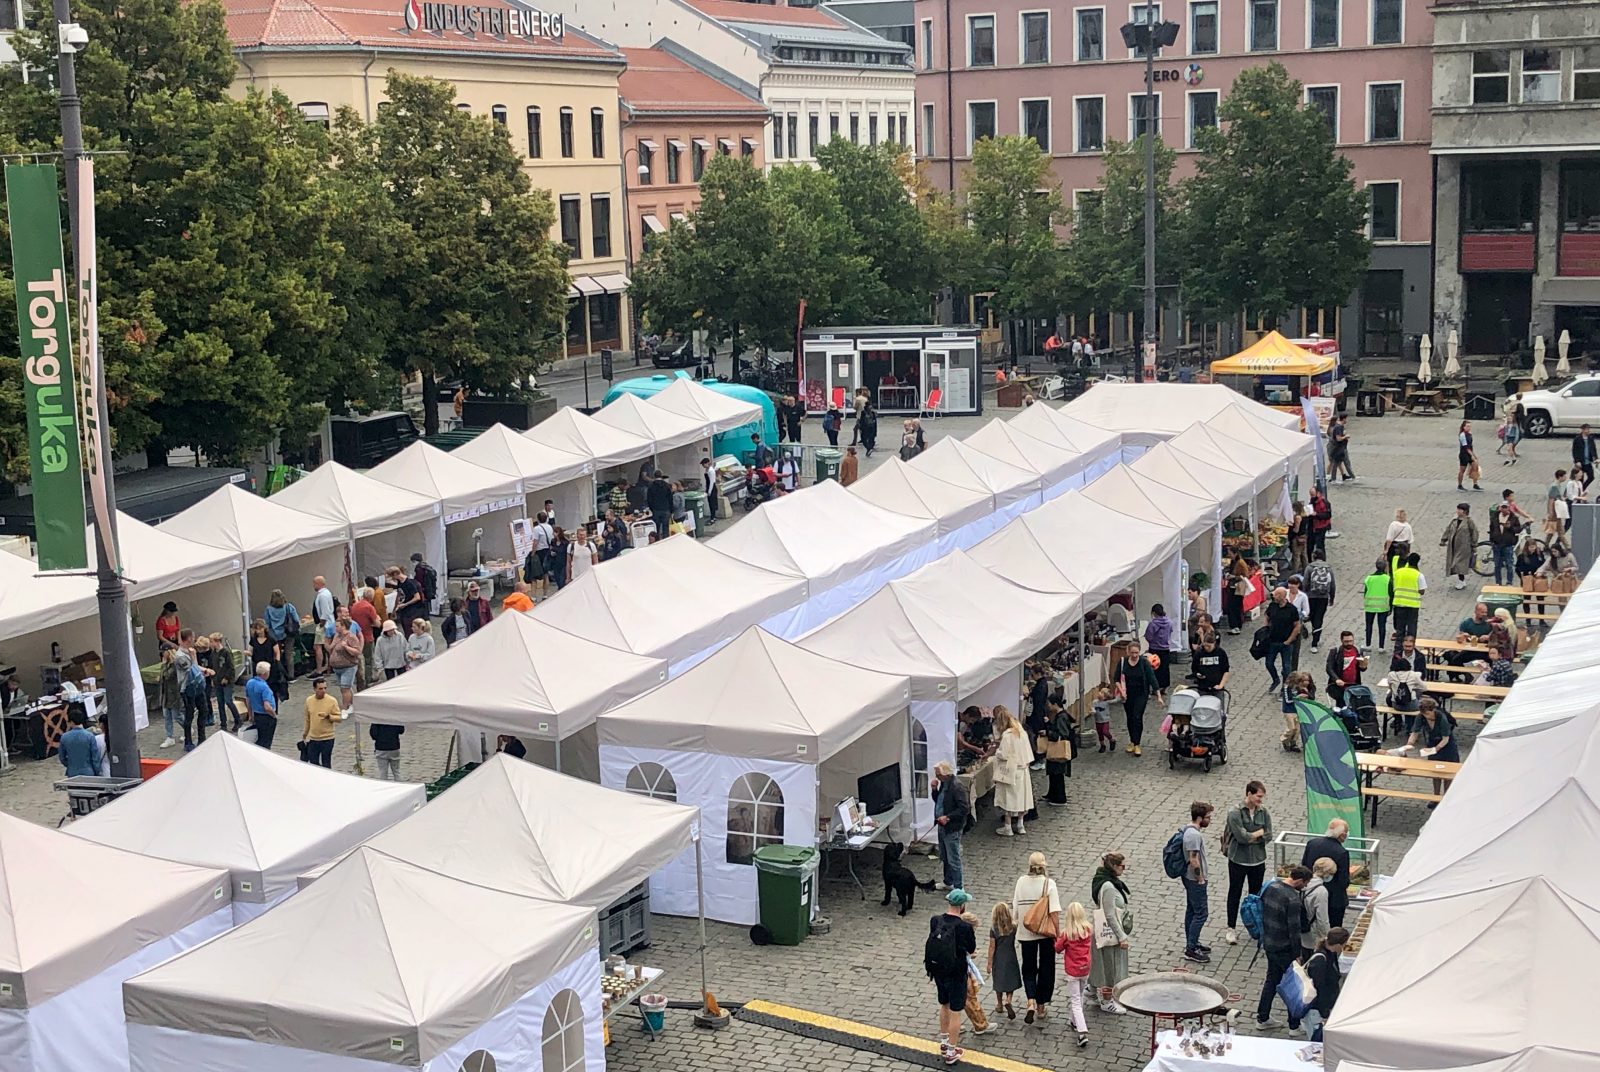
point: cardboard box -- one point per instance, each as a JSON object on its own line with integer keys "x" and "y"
{"x": 84, "y": 666}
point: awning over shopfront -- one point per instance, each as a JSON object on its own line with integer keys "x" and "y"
{"x": 1273, "y": 355}
{"x": 652, "y": 224}
{"x": 1571, "y": 290}
{"x": 584, "y": 287}
{"x": 612, "y": 282}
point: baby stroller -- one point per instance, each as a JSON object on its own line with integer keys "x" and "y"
{"x": 1360, "y": 714}
{"x": 759, "y": 486}
{"x": 1199, "y": 731}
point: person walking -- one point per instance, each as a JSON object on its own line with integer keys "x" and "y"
{"x": 1060, "y": 737}
{"x": 283, "y": 626}
{"x": 1399, "y": 537}
{"x": 1339, "y": 451}
{"x": 1035, "y": 899}
{"x": 193, "y": 688}
{"x": 1283, "y": 921}
{"x": 1075, "y": 943}
{"x": 1195, "y": 876}
{"x": 831, "y": 422}
{"x": 1409, "y": 587}
{"x": 867, "y": 426}
{"x": 1331, "y": 846}
{"x": 1110, "y": 895}
{"x": 1299, "y": 537}
{"x": 791, "y": 412}
{"x": 1135, "y": 682}
{"x": 1460, "y": 543}
{"x": 264, "y": 649}
{"x": 386, "y": 749}
{"x": 581, "y": 555}
{"x": 364, "y": 612}
{"x": 420, "y": 646}
{"x": 849, "y": 467}
{"x": 1246, "y": 833}
{"x": 1584, "y": 451}
{"x": 1323, "y": 968}
{"x": 169, "y": 690}
{"x": 1466, "y": 457}
{"x": 1514, "y": 418}
{"x": 391, "y": 650}
{"x": 1321, "y": 589}
{"x": 344, "y": 656}
{"x": 952, "y": 806}
{"x": 1158, "y": 643}
{"x": 1234, "y": 593}
{"x": 321, "y": 725}
{"x": 261, "y": 703}
{"x": 974, "y": 1007}
{"x": 1321, "y": 522}
{"x": 1283, "y": 631}
{"x": 1505, "y": 527}
{"x": 1301, "y": 603}
{"x": 1013, "y": 781}
{"x": 1005, "y": 974}
{"x": 1344, "y": 666}
{"x": 322, "y": 604}
{"x": 944, "y": 957}
{"x": 225, "y": 674}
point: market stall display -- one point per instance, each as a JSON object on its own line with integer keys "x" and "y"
{"x": 1199, "y": 1049}
{"x": 1278, "y": 372}
{"x": 474, "y": 499}
{"x": 565, "y": 478}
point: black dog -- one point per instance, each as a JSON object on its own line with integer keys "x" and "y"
{"x": 898, "y": 880}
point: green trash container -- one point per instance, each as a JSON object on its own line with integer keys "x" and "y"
{"x": 1512, "y": 603}
{"x": 695, "y": 503}
{"x": 828, "y": 460}
{"x": 786, "y": 878}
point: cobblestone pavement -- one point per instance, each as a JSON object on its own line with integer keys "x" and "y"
{"x": 869, "y": 967}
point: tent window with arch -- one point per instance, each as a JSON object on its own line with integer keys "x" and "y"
{"x": 562, "y": 1045}
{"x": 654, "y": 781}
{"x": 755, "y": 817}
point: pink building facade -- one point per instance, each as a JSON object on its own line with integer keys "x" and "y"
{"x": 1064, "y": 77}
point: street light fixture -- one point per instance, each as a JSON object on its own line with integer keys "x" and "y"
{"x": 627, "y": 241}
{"x": 1149, "y": 38}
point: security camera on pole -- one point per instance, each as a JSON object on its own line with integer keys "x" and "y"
{"x": 1149, "y": 38}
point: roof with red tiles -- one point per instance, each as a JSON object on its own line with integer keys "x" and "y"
{"x": 659, "y": 83}
{"x": 777, "y": 14}
{"x": 296, "y": 25}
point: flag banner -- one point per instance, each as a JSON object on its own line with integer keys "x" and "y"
{"x": 1333, "y": 784}
{"x": 90, "y": 373}
{"x": 1315, "y": 426}
{"x": 49, "y": 390}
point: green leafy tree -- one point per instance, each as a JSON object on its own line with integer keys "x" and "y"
{"x": 1272, "y": 218}
{"x": 1105, "y": 262}
{"x": 873, "y": 188}
{"x": 1012, "y": 203}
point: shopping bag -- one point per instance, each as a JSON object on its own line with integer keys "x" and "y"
{"x": 1527, "y": 582}
{"x": 1541, "y": 584}
{"x": 1297, "y": 991}
{"x": 1104, "y": 936}
{"x": 1038, "y": 918}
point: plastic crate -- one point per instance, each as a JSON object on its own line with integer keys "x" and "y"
{"x": 638, "y": 929}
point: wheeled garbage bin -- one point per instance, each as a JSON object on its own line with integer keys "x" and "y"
{"x": 786, "y": 879}
{"x": 828, "y": 460}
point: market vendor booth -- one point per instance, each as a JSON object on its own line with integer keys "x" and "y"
{"x": 1199, "y": 519}
{"x": 565, "y": 478}
{"x": 900, "y": 368}
{"x": 614, "y": 452}
{"x": 962, "y": 515}
{"x": 479, "y": 504}
{"x": 680, "y": 441}
{"x": 1014, "y": 488}
{"x": 734, "y": 411}
{"x": 1278, "y": 372}
{"x": 766, "y": 761}
{"x": 1150, "y": 413}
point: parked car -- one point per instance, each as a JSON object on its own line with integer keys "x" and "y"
{"x": 671, "y": 353}
{"x": 1567, "y": 405}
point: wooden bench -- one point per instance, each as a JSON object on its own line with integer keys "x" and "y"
{"x": 1372, "y": 764}
{"x": 1538, "y": 616}
{"x": 1426, "y": 644}
{"x": 1514, "y": 590}
{"x": 1450, "y": 668}
{"x": 1399, "y": 717}
{"x": 1399, "y": 794}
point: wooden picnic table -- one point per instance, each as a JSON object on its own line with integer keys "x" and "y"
{"x": 1538, "y": 616}
{"x": 1513, "y": 590}
{"x": 1452, "y": 668}
{"x": 1394, "y": 719}
{"x": 1459, "y": 691}
{"x": 1372, "y": 764}
{"x": 1427, "y": 644}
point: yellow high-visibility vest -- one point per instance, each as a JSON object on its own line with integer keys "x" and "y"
{"x": 1407, "y": 587}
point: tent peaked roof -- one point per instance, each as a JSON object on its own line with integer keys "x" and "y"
{"x": 1273, "y": 354}
{"x": 548, "y": 684}
{"x": 689, "y": 399}
{"x": 1172, "y": 468}
{"x": 1262, "y": 465}
{"x": 376, "y": 951}
{"x": 1154, "y": 411}
{"x": 798, "y": 535}
{"x": 905, "y": 489}
{"x": 70, "y": 909}
{"x": 760, "y": 697}
{"x": 261, "y": 531}
{"x": 575, "y": 432}
{"x": 517, "y": 827}
{"x": 951, "y": 627}
{"x": 262, "y": 816}
{"x": 670, "y": 600}
{"x": 503, "y": 450}
{"x": 159, "y": 561}
{"x": 1002, "y": 439}
{"x": 1127, "y": 492}
{"x": 951, "y": 459}
{"x": 1052, "y": 425}
{"x": 365, "y": 505}
{"x": 1532, "y": 1059}
{"x": 460, "y": 485}
{"x": 632, "y": 414}
{"x": 1295, "y": 447}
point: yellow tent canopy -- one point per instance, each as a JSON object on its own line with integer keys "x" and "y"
{"x": 1273, "y": 355}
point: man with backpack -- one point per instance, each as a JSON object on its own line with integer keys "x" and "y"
{"x": 427, "y": 579}
{"x": 1320, "y": 589}
{"x": 951, "y": 940}
{"x": 1283, "y": 921}
{"x": 1184, "y": 857}
{"x": 952, "y": 809}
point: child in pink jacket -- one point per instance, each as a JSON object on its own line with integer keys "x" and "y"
{"x": 1076, "y": 946}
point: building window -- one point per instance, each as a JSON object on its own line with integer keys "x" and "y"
{"x": 697, "y": 160}
{"x": 1580, "y": 197}
{"x": 313, "y": 112}
{"x": 464, "y": 107}
{"x": 1491, "y": 77}
{"x": 813, "y": 131}
{"x": 597, "y": 132}
{"x": 833, "y": 125}
{"x": 1322, "y": 19}
{"x": 1383, "y": 112}
{"x": 498, "y": 114}
{"x": 647, "y": 164}
{"x": 872, "y": 129}
{"x": 1143, "y": 15}
{"x": 674, "y": 161}
{"x": 1090, "y": 121}
{"x": 1325, "y": 99}
{"x": 980, "y": 40}
{"x": 755, "y": 817}
{"x": 1499, "y": 198}
{"x": 1383, "y": 215}
{"x": 794, "y": 134}
{"x": 572, "y": 224}
{"x": 652, "y": 780}
{"x": 1263, "y": 25}
{"x": 777, "y": 135}
{"x": 927, "y": 44}
{"x": 1386, "y": 25}
{"x": 561, "y": 1042}
{"x": 926, "y": 148}
{"x": 1092, "y": 34}
{"x": 980, "y": 122}
{"x": 747, "y": 148}
{"x": 566, "y": 133}
{"x": 1203, "y": 27}
{"x": 1382, "y": 304}
{"x": 1586, "y": 73}
{"x": 1144, "y": 115}
{"x": 535, "y": 134}
{"x": 600, "y": 221}
{"x": 1541, "y": 75}
{"x": 10, "y": 15}
{"x": 1202, "y": 113}
{"x": 855, "y": 128}
{"x": 1036, "y": 122}
{"x": 1036, "y": 37}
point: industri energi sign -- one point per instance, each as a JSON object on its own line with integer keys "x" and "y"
{"x": 467, "y": 19}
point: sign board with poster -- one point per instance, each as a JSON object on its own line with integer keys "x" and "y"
{"x": 958, "y": 388}
{"x": 522, "y": 538}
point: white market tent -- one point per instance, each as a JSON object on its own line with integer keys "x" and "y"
{"x": 680, "y": 441}
{"x": 471, "y": 496}
{"x": 571, "y": 430}
{"x": 1199, "y": 519}
{"x": 799, "y": 536}
{"x": 76, "y": 920}
{"x": 675, "y": 600}
{"x": 764, "y": 737}
{"x": 1059, "y": 468}
{"x": 688, "y": 399}
{"x": 1102, "y": 448}
{"x": 380, "y": 964}
{"x": 1231, "y": 490}
{"x": 963, "y": 514}
{"x": 1014, "y": 489}
{"x": 1533, "y": 1059}
{"x": 547, "y": 472}
{"x": 1147, "y": 413}
{"x": 263, "y": 817}
{"x": 1264, "y": 466}
{"x": 1297, "y": 449}
{"x": 538, "y": 684}
{"x": 281, "y": 548}
{"x": 385, "y": 525}
{"x": 960, "y": 634}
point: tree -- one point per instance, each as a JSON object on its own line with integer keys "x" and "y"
{"x": 1105, "y": 262}
{"x": 1012, "y": 203}
{"x": 1273, "y": 220}
{"x": 478, "y": 290}
{"x": 873, "y": 188}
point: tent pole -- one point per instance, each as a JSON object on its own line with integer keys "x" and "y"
{"x": 244, "y": 605}
{"x": 1255, "y": 533}
{"x": 558, "y": 753}
{"x": 700, "y": 891}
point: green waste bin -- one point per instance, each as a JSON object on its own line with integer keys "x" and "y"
{"x": 695, "y": 502}
{"x": 1512, "y": 603}
{"x": 828, "y": 460}
{"x": 786, "y": 878}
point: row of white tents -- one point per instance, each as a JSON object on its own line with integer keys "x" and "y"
{"x": 1478, "y": 952}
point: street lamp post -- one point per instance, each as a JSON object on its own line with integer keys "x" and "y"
{"x": 627, "y": 241}
{"x": 1150, "y": 38}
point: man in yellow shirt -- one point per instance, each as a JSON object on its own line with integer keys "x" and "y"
{"x": 322, "y": 720}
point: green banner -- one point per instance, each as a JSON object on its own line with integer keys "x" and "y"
{"x": 49, "y": 389}
{"x": 1333, "y": 784}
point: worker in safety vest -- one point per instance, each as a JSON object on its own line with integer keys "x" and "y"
{"x": 1376, "y": 591}
{"x": 1409, "y": 587}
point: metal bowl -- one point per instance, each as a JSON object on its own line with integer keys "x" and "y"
{"x": 1171, "y": 994}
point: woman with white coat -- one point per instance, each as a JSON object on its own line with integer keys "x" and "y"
{"x": 1013, "y": 782}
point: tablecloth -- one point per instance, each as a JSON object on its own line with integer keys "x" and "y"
{"x": 1249, "y": 1054}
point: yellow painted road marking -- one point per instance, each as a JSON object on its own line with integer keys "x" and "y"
{"x": 876, "y": 1036}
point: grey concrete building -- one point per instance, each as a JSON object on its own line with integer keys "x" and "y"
{"x": 1516, "y": 147}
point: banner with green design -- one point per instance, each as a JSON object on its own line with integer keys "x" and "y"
{"x": 1333, "y": 783}
{"x": 49, "y": 389}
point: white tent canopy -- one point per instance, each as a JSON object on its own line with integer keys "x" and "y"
{"x": 575, "y": 432}
{"x": 905, "y": 489}
{"x": 262, "y": 816}
{"x": 76, "y": 920}
{"x": 380, "y": 963}
{"x": 1147, "y": 413}
{"x": 547, "y": 473}
{"x": 1125, "y": 490}
{"x": 463, "y": 488}
{"x": 1297, "y": 449}
{"x": 1533, "y": 1059}
{"x": 1052, "y": 425}
{"x": 1014, "y": 488}
{"x": 671, "y": 600}
{"x": 1265, "y": 467}
{"x": 386, "y": 524}
{"x": 1058, "y": 467}
{"x": 668, "y": 430}
{"x": 1231, "y": 489}
{"x": 688, "y": 399}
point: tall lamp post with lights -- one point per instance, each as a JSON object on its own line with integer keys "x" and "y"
{"x": 1150, "y": 38}
{"x": 627, "y": 238}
